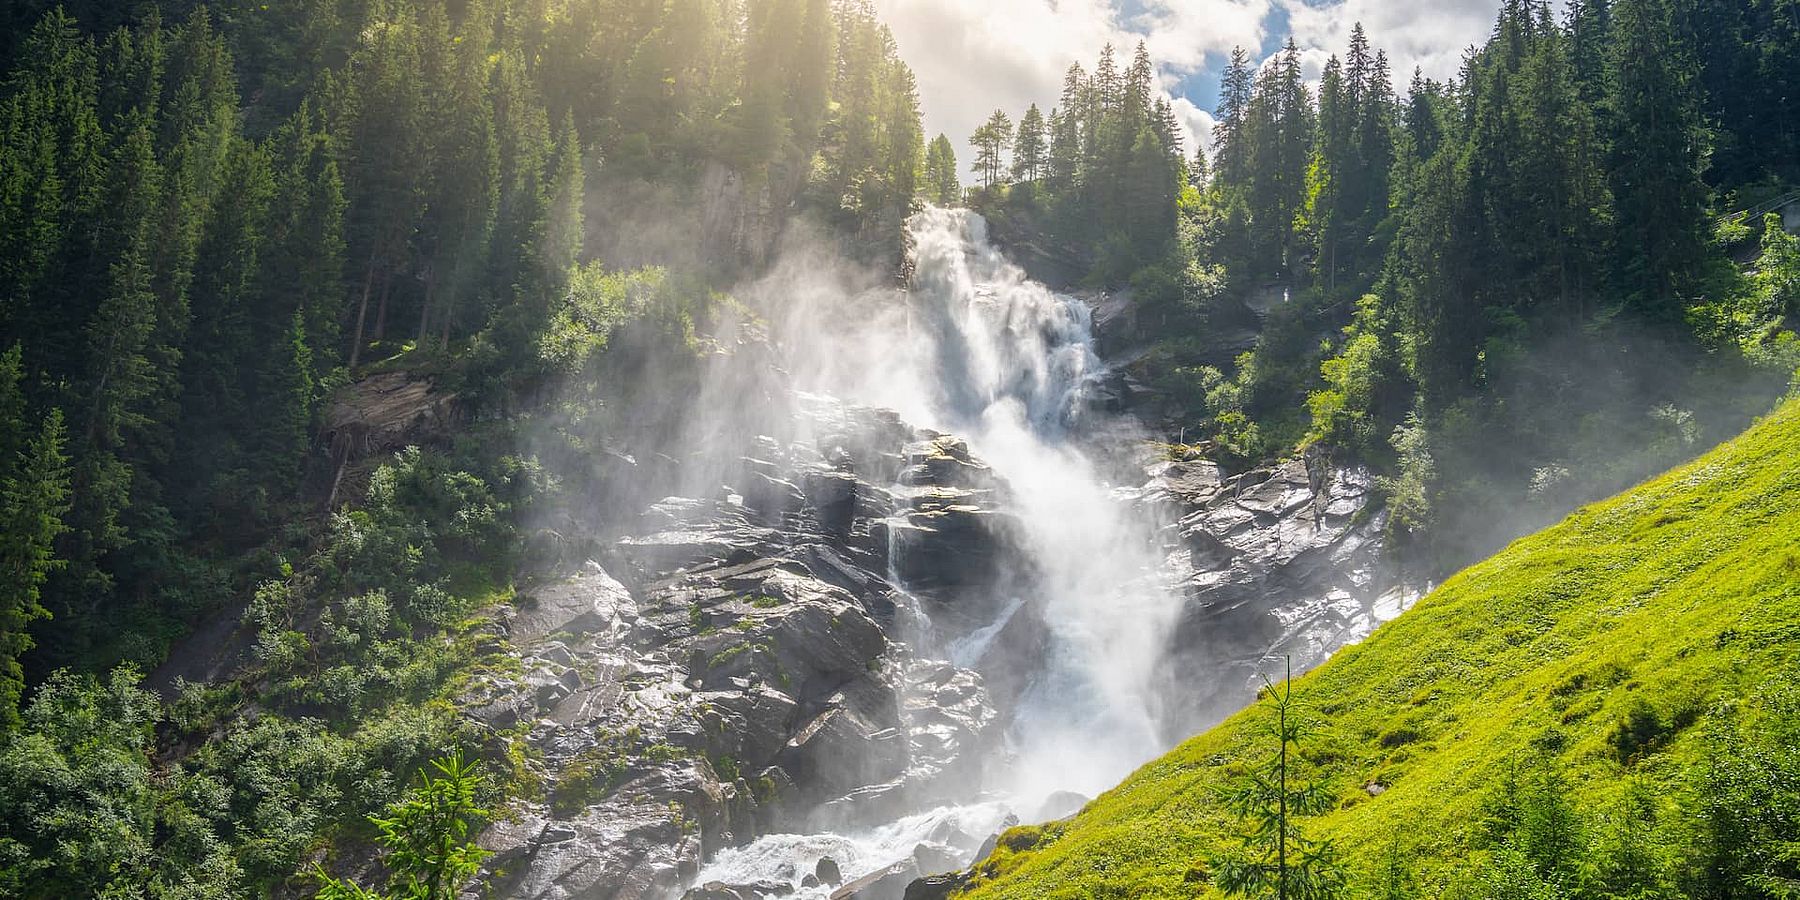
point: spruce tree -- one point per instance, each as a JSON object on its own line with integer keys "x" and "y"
{"x": 34, "y": 497}
{"x": 903, "y": 137}
{"x": 942, "y": 186}
{"x": 386, "y": 172}
{"x": 991, "y": 142}
{"x": 1066, "y": 150}
{"x": 1657, "y": 147}
{"x": 1030, "y": 146}
{"x": 1274, "y": 858}
{"x": 1231, "y": 153}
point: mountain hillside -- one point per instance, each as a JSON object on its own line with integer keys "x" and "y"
{"x": 1643, "y": 649}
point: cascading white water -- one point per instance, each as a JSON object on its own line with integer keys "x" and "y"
{"x": 1006, "y": 362}
{"x": 981, "y": 351}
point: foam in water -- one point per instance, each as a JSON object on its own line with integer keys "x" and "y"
{"x": 1004, "y": 362}
{"x": 981, "y": 351}
{"x": 789, "y": 858}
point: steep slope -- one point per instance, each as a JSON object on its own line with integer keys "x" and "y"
{"x": 1603, "y": 648}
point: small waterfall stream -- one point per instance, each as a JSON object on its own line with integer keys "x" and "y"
{"x": 981, "y": 351}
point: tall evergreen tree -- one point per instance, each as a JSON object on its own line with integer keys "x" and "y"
{"x": 1658, "y": 151}
{"x": 386, "y": 170}
{"x": 1030, "y": 146}
{"x": 34, "y": 496}
{"x": 463, "y": 174}
{"x": 1067, "y": 127}
{"x": 991, "y": 142}
{"x": 1231, "y": 151}
{"x": 942, "y": 186}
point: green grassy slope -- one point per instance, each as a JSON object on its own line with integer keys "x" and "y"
{"x": 1674, "y": 598}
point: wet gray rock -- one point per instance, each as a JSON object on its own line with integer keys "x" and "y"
{"x": 928, "y": 858}
{"x": 718, "y": 890}
{"x": 884, "y": 884}
{"x": 840, "y": 749}
{"x": 590, "y": 602}
{"x": 950, "y": 719}
{"x": 936, "y": 887}
{"x": 1284, "y": 561}
{"x": 620, "y": 850}
{"x": 742, "y": 673}
{"x": 954, "y": 540}
{"x": 953, "y": 543}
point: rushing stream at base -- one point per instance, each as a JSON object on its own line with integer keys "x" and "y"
{"x": 980, "y": 351}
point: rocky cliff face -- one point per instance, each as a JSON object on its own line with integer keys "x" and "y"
{"x": 1272, "y": 563}
{"x": 776, "y": 654}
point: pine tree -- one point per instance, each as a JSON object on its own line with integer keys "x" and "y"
{"x": 1152, "y": 182}
{"x": 428, "y": 836}
{"x": 1590, "y": 31}
{"x": 903, "y": 137}
{"x": 387, "y": 147}
{"x": 1421, "y": 116}
{"x": 1327, "y": 209}
{"x": 1278, "y": 131}
{"x": 52, "y": 186}
{"x": 226, "y": 344}
{"x": 1135, "y": 106}
{"x": 34, "y": 497}
{"x": 563, "y": 234}
{"x": 1274, "y": 857}
{"x": 1231, "y": 153}
{"x": 462, "y": 190}
{"x": 1066, "y": 150}
{"x": 123, "y": 381}
{"x": 809, "y": 94}
{"x": 991, "y": 142}
{"x": 1559, "y": 237}
{"x": 303, "y": 254}
{"x": 522, "y": 130}
{"x": 941, "y": 184}
{"x": 1658, "y": 146}
{"x": 1030, "y": 146}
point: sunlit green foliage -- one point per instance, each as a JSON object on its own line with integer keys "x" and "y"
{"x": 429, "y": 836}
{"x": 1605, "y": 709}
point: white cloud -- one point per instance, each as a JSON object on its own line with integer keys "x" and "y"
{"x": 974, "y": 56}
{"x": 1186, "y": 34}
{"x": 1199, "y": 123}
{"x": 1431, "y": 38}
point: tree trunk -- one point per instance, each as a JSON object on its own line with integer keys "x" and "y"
{"x": 444, "y": 317}
{"x": 362, "y": 313}
{"x": 387, "y": 289}
{"x": 425, "y": 307}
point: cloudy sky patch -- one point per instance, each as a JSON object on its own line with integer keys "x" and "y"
{"x": 974, "y": 56}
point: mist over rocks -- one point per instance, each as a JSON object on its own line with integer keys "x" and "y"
{"x": 754, "y": 675}
{"x": 848, "y": 625}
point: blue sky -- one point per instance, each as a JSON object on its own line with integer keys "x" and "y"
{"x": 1201, "y": 86}
{"x": 974, "y": 56}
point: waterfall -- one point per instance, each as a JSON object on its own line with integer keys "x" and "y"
{"x": 979, "y": 350}
{"x": 1007, "y": 362}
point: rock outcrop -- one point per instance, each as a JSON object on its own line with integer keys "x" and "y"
{"x": 1272, "y": 563}
{"x": 748, "y": 669}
